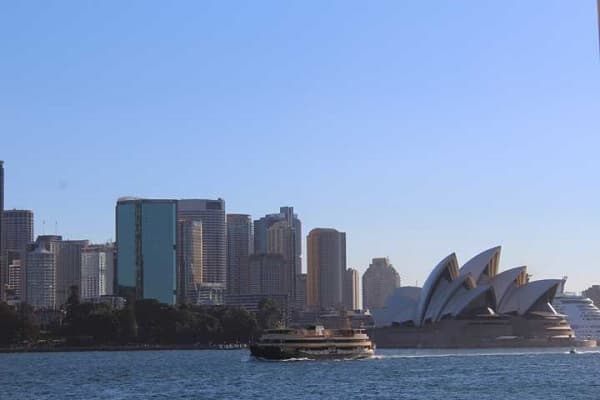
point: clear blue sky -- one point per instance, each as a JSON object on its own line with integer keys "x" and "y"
{"x": 418, "y": 127}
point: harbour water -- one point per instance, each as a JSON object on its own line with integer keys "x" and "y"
{"x": 393, "y": 374}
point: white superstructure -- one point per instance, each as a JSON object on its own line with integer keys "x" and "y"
{"x": 583, "y": 315}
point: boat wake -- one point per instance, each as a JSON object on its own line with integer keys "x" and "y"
{"x": 531, "y": 352}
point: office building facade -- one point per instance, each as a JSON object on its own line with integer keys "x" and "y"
{"x": 189, "y": 260}
{"x": 262, "y": 225}
{"x": 326, "y": 249}
{"x": 350, "y": 292}
{"x": 146, "y": 249}
{"x": 266, "y": 275}
{"x": 214, "y": 236}
{"x": 68, "y": 267}
{"x": 40, "y": 277}
{"x": 17, "y": 233}
{"x": 379, "y": 282}
{"x": 240, "y": 245}
{"x": 97, "y": 271}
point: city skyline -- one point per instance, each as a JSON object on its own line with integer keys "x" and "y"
{"x": 399, "y": 127}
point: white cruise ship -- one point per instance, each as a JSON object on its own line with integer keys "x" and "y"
{"x": 583, "y": 315}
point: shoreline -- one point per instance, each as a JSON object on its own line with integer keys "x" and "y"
{"x": 72, "y": 349}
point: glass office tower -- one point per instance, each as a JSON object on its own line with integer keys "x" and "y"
{"x": 146, "y": 249}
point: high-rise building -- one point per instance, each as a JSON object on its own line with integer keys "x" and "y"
{"x": 378, "y": 283}
{"x": 214, "y": 236}
{"x": 300, "y": 303}
{"x": 17, "y": 229}
{"x": 266, "y": 274}
{"x": 189, "y": 260}
{"x": 1, "y": 210}
{"x": 350, "y": 289}
{"x": 240, "y": 244}
{"x": 68, "y": 267}
{"x": 3, "y": 261}
{"x": 281, "y": 233}
{"x": 40, "y": 277}
{"x": 262, "y": 225}
{"x": 281, "y": 239}
{"x": 146, "y": 233}
{"x": 326, "y": 250}
{"x": 17, "y": 233}
{"x": 97, "y": 271}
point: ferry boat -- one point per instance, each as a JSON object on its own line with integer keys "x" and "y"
{"x": 583, "y": 315}
{"x": 313, "y": 342}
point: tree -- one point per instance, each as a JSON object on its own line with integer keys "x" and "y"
{"x": 269, "y": 314}
{"x": 9, "y": 325}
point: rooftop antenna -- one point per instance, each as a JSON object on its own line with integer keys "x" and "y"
{"x": 56, "y": 228}
{"x": 43, "y": 227}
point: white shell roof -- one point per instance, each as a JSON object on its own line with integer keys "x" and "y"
{"x": 450, "y": 264}
{"x": 503, "y": 281}
{"x": 524, "y": 297}
{"x": 477, "y": 265}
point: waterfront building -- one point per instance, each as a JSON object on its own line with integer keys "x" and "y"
{"x": 474, "y": 306}
{"x": 17, "y": 233}
{"x": 379, "y": 282}
{"x": 146, "y": 249}
{"x": 266, "y": 275}
{"x": 211, "y": 294}
{"x": 240, "y": 245}
{"x": 13, "y": 286}
{"x": 189, "y": 260}
{"x": 40, "y": 277}
{"x": 251, "y": 302}
{"x": 326, "y": 266}
{"x": 350, "y": 290}
{"x": 214, "y": 236}
{"x": 97, "y": 271}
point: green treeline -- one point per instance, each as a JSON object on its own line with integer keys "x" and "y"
{"x": 141, "y": 322}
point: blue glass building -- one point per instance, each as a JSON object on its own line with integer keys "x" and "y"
{"x": 146, "y": 249}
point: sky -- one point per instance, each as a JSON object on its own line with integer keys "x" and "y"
{"x": 419, "y": 128}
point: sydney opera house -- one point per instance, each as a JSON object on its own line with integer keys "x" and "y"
{"x": 474, "y": 306}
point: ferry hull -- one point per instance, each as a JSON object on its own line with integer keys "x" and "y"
{"x": 282, "y": 353}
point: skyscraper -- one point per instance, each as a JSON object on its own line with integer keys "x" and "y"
{"x": 350, "y": 289}
{"x": 239, "y": 247}
{"x": 97, "y": 269}
{"x": 262, "y": 225}
{"x": 17, "y": 229}
{"x": 146, "y": 249}
{"x": 214, "y": 236}
{"x": 189, "y": 260}
{"x": 379, "y": 282}
{"x": 68, "y": 267}
{"x": 39, "y": 283}
{"x": 266, "y": 274}
{"x": 326, "y": 266}
{"x": 17, "y": 233}
{"x": 3, "y": 264}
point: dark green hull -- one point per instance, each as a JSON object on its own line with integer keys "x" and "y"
{"x": 281, "y": 353}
